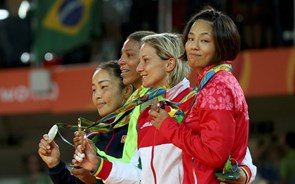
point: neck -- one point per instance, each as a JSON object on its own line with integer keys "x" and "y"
{"x": 137, "y": 84}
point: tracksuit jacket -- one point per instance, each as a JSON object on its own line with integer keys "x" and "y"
{"x": 217, "y": 126}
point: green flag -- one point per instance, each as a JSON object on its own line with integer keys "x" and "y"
{"x": 61, "y": 25}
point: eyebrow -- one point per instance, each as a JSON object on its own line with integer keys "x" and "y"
{"x": 202, "y": 33}
{"x": 99, "y": 82}
{"x": 145, "y": 56}
{"x": 127, "y": 50}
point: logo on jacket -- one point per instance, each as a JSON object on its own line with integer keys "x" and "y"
{"x": 147, "y": 124}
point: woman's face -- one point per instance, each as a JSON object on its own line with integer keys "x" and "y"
{"x": 199, "y": 46}
{"x": 152, "y": 68}
{"x": 129, "y": 61}
{"x": 107, "y": 95}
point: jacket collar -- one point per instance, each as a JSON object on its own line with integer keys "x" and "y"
{"x": 177, "y": 89}
{"x": 207, "y": 68}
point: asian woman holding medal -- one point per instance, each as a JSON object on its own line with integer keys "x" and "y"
{"x": 108, "y": 94}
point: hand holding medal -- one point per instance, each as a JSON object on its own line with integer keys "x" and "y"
{"x": 230, "y": 170}
{"x": 79, "y": 142}
{"x": 52, "y": 133}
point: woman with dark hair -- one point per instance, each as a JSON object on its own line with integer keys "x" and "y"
{"x": 109, "y": 93}
{"x": 217, "y": 125}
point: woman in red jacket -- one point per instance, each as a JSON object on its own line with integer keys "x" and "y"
{"x": 218, "y": 123}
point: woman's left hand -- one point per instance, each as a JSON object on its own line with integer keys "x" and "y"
{"x": 242, "y": 179}
{"x": 158, "y": 114}
{"x": 83, "y": 175}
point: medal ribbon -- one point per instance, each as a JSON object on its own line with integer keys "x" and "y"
{"x": 119, "y": 118}
{"x": 116, "y": 119}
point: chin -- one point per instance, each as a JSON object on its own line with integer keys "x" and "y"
{"x": 127, "y": 81}
{"x": 147, "y": 86}
{"x": 101, "y": 114}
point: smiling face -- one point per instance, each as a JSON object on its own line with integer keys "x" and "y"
{"x": 107, "y": 94}
{"x": 129, "y": 61}
{"x": 199, "y": 46}
{"x": 152, "y": 68}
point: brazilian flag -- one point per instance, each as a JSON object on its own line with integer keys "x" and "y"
{"x": 62, "y": 25}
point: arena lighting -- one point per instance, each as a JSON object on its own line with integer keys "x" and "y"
{"x": 49, "y": 56}
{"x": 25, "y": 57}
{"x": 23, "y": 9}
{"x": 3, "y": 14}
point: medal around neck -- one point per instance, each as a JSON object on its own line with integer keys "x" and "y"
{"x": 52, "y": 133}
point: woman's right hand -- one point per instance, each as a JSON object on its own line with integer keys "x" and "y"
{"x": 49, "y": 152}
{"x": 85, "y": 154}
{"x": 78, "y": 138}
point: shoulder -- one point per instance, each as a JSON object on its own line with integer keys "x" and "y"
{"x": 222, "y": 92}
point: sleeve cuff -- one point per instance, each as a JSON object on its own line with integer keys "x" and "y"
{"x": 103, "y": 169}
{"x": 58, "y": 168}
{"x": 247, "y": 172}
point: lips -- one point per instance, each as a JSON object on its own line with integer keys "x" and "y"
{"x": 100, "y": 105}
{"x": 124, "y": 70}
{"x": 193, "y": 55}
{"x": 143, "y": 75}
